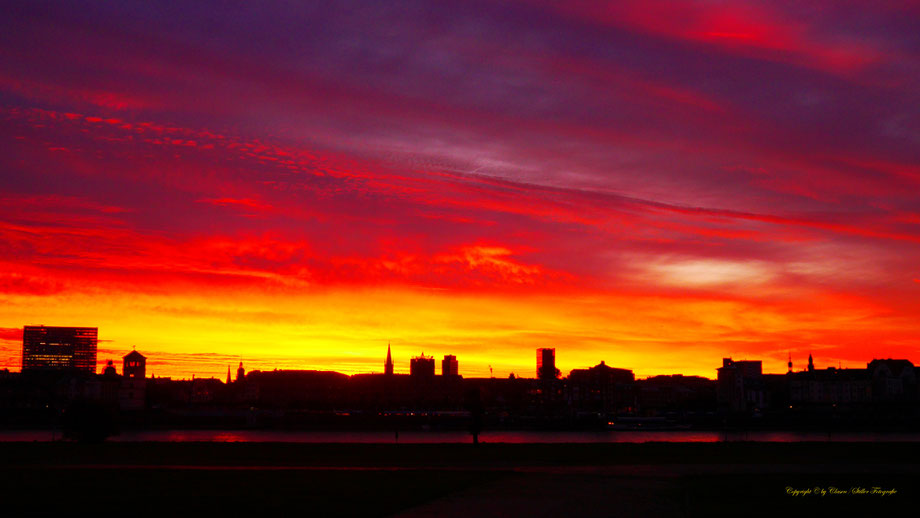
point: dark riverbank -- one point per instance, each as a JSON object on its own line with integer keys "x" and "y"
{"x": 486, "y": 456}
{"x": 650, "y": 479}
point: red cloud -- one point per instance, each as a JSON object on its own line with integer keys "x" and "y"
{"x": 744, "y": 28}
{"x": 243, "y": 203}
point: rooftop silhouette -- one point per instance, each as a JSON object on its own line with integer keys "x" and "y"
{"x": 885, "y": 393}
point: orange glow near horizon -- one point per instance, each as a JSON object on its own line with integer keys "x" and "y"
{"x": 347, "y": 330}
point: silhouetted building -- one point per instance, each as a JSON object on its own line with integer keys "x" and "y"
{"x": 240, "y": 373}
{"x": 296, "y": 388}
{"x": 831, "y": 386}
{"x": 892, "y": 380}
{"x": 449, "y": 366}
{"x": 204, "y": 390}
{"x": 109, "y": 370}
{"x": 59, "y": 348}
{"x": 676, "y": 393}
{"x": 741, "y": 385}
{"x": 133, "y": 392}
{"x": 388, "y": 366}
{"x": 134, "y": 365}
{"x": 546, "y": 364}
{"x": 601, "y": 389}
{"x": 422, "y": 366}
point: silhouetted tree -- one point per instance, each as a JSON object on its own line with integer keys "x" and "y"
{"x": 553, "y": 375}
{"x": 474, "y": 405}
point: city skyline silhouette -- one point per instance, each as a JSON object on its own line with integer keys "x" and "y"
{"x": 98, "y": 362}
{"x": 885, "y": 393}
{"x": 298, "y": 186}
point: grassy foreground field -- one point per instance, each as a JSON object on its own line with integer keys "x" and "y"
{"x": 413, "y": 480}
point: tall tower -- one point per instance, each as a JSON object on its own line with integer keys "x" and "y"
{"x": 449, "y": 366}
{"x": 240, "y": 372}
{"x": 134, "y": 365}
{"x": 789, "y": 363}
{"x": 811, "y": 364}
{"x": 388, "y": 366}
{"x": 546, "y": 364}
{"x": 228, "y": 374}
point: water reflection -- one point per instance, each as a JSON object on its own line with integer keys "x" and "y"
{"x": 520, "y": 437}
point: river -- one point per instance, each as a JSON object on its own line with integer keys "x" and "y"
{"x": 503, "y": 436}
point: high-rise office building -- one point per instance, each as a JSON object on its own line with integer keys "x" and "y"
{"x": 546, "y": 364}
{"x": 59, "y": 348}
{"x": 422, "y": 366}
{"x": 449, "y": 366}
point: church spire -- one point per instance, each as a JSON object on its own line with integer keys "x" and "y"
{"x": 388, "y": 366}
{"x": 811, "y": 364}
{"x": 228, "y": 374}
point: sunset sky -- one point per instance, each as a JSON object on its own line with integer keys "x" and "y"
{"x": 654, "y": 184}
